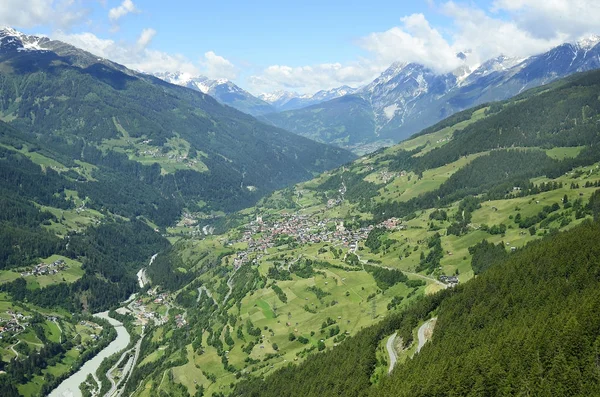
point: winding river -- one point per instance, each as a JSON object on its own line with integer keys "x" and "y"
{"x": 70, "y": 386}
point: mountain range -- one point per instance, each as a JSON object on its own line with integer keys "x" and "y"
{"x": 72, "y": 104}
{"x": 223, "y": 90}
{"x": 290, "y": 100}
{"x": 414, "y": 270}
{"x": 228, "y": 93}
{"x": 408, "y": 97}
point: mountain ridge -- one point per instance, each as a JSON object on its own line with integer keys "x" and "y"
{"x": 289, "y": 100}
{"x": 408, "y": 97}
{"x": 223, "y": 90}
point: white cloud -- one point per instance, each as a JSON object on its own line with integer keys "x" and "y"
{"x": 146, "y": 37}
{"x": 126, "y": 7}
{"x": 487, "y": 37}
{"x": 216, "y": 67}
{"x": 30, "y": 13}
{"x": 518, "y": 28}
{"x": 139, "y": 57}
{"x": 550, "y": 18}
{"x": 414, "y": 41}
{"x": 135, "y": 56}
{"x": 312, "y": 78}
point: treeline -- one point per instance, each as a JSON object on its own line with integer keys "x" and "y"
{"x": 166, "y": 270}
{"x": 485, "y": 255}
{"x": 564, "y": 114}
{"x": 92, "y": 104}
{"x": 386, "y": 278}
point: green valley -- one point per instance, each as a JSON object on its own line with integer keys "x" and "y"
{"x": 241, "y": 259}
{"x": 359, "y": 252}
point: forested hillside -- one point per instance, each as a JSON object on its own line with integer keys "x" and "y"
{"x": 135, "y": 127}
{"x": 529, "y": 325}
{"x": 313, "y": 289}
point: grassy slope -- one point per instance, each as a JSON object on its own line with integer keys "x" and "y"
{"x": 266, "y": 310}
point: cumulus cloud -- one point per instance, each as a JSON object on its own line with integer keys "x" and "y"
{"x": 135, "y": 56}
{"x": 139, "y": 57}
{"x": 414, "y": 41}
{"x": 547, "y": 19}
{"x": 517, "y": 28}
{"x": 30, "y": 13}
{"x": 312, "y": 78}
{"x": 126, "y": 7}
{"x": 145, "y": 37}
{"x": 216, "y": 67}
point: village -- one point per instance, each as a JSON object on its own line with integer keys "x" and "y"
{"x": 144, "y": 313}
{"x": 43, "y": 269}
{"x": 303, "y": 229}
{"x": 16, "y": 324}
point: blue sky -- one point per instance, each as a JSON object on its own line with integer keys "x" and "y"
{"x": 265, "y": 45}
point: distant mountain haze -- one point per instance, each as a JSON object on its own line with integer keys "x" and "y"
{"x": 408, "y": 97}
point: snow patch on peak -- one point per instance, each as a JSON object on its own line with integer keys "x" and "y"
{"x": 20, "y": 41}
{"x": 390, "y": 111}
{"x": 588, "y": 42}
{"x": 203, "y": 88}
{"x": 275, "y": 96}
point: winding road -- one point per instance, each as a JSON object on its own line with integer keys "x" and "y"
{"x": 391, "y": 351}
{"x": 426, "y": 327}
{"x": 126, "y": 372}
{"x": 230, "y": 285}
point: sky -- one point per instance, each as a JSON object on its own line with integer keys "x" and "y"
{"x": 303, "y": 46}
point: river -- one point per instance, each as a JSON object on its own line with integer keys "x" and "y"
{"x": 70, "y": 386}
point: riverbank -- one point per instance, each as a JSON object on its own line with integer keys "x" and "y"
{"x": 70, "y": 386}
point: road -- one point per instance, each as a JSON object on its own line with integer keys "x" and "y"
{"x": 391, "y": 351}
{"x": 13, "y": 348}
{"x": 431, "y": 279}
{"x": 126, "y": 372}
{"x": 427, "y": 327}
{"x": 142, "y": 276}
{"x": 132, "y": 362}
{"x": 70, "y": 386}
{"x": 230, "y": 285}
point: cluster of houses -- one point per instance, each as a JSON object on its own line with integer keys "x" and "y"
{"x": 144, "y": 315}
{"x": 44, "y": 269}
{"x": 304, "y": 229}
{"x": 14, "y": 325}
{"x": 387, "y": 176}
{"x": 451, "y": 281}
{"x": 180, "y": 320}
{"x": 161, "y": 298}
{"x": 393, "y": 224}
{"x": 156, "y": 153}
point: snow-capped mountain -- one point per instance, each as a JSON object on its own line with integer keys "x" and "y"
{"x": 222, "y": 90}
{"x": 11, "y": 39}
{"x": 289, "y": 100}
{"x": 408, "y": 97}
{"x": 279, "y": 98}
